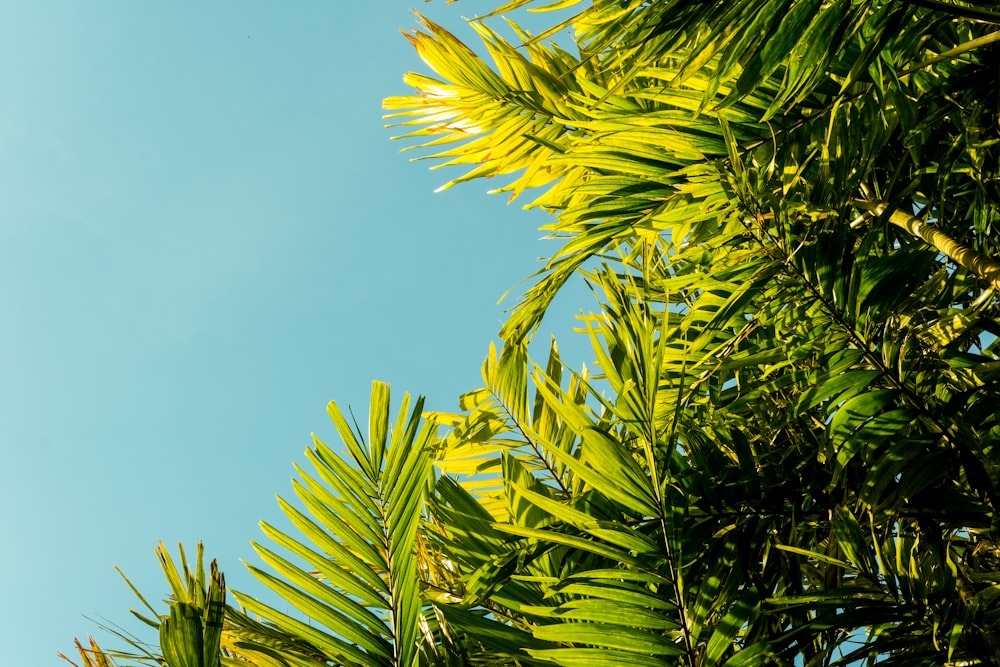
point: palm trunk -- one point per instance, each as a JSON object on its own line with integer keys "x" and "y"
{"x": 979, "y": 264}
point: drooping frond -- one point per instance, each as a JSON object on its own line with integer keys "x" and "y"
{"x": 849, "y": 105}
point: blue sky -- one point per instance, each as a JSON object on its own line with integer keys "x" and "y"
{"x": 205, "y": 235}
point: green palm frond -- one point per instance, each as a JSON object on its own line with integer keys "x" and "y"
{"x": 195, "y": 631}
{"x": 842, "y": 102}
{"x": 357, "y": 573}
{"x": 501, "y": 420}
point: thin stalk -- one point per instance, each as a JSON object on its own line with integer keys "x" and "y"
{"x": 974, "y": 13}
{"x": 958, "y": 50}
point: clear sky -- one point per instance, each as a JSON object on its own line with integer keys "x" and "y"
{"x": 205, "y": 235}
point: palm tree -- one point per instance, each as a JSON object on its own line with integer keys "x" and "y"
{"x": 787, "y": 210}
{"x": 795, "y": 206}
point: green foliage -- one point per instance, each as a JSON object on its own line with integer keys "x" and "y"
{"x": 358, "y": 545}
{"x": 787, "y": 212}
{"x": 191, "y": 633}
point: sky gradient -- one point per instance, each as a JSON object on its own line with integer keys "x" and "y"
{"x": 205, "y": 235}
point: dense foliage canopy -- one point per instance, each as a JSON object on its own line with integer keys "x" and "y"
{"x": 787, "y": 454}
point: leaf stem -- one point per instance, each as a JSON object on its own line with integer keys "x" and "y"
{"x": 956, "y": 10}
{"x": 958, "y": 50}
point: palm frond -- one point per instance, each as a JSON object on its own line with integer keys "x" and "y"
{"x": 357, "y": 576}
